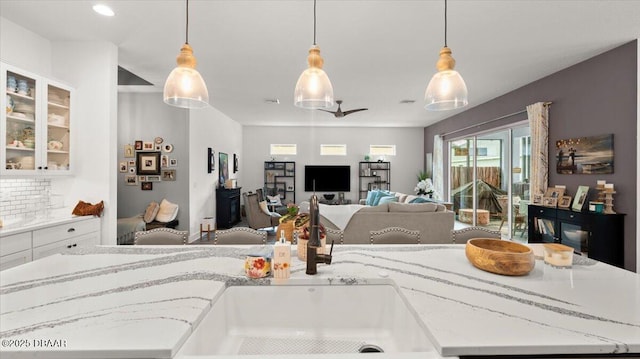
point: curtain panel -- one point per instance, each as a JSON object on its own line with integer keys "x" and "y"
{"x": 538, "y": 114}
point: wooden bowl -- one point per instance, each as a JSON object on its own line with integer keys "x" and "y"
{"x": 501, "y": 257}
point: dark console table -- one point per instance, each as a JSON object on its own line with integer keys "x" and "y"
{"x": 227, "y": 207}
{"x": 598, "y": 235}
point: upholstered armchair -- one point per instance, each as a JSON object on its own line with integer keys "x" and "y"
{"x": 240, "y": 235}
{"x": 461, "y": 236}
{"x": 258, "y": 217}
{"x": 161, "y": 236}
{"x": 395, "y": 235}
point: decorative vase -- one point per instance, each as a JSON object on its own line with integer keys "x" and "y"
{"x": 288, "y": 228}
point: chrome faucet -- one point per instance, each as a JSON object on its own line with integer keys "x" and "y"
{"x": 313, "y": 258}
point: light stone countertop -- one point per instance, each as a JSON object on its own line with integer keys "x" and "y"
{"x": 32, "y": 224}
{"x": 143, "y": 302}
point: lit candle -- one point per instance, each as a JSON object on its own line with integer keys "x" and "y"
{"x": 601, "y": 182}
{"x": 608, "y": 186}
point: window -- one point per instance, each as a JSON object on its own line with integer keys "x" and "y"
{"x": 382, "y": 150}
{"x": 283, "y": 149}
{"x": 333, "y": 150}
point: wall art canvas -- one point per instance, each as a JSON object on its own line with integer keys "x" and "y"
{"x": 223, "y": 168}
{"x": 585, "y": 155}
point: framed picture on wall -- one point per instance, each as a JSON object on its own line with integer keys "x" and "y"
{"x": 147, "y": 186}
{"x": 211, "y": 160}
{"x": 235, "y": 163}
{"x": 148, "y": 163}
{"x": 128, "y": 151}
{"x": 138, "y": 145}
{"x": 131, "y": 180}
{"x": 123, "y": 166}
{"x": 168, "y": 175}
{"x": 223, "y": 165}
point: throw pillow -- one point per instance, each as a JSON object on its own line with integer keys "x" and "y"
{"x": 274, "y": 200}
{"x": 402, "y": 197}
{"x": 419, "y": 200}
{"x": 370, "y": 197}
{"x": 168, "y": 211}
{"x": 379, "y": 195}
{"x": 151, "y": 212}
{"x": 387, "y": 199}
{"x": 264, "y": 208}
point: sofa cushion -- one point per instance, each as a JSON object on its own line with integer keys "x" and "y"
{"x": 387, "y": 199}
{"x": 168, "y": 211}
{"x": 381, "y": 208}
{"x": 151, "y": 212}
{"x": 420, "y": 200}
{"x": 413, "y": 207}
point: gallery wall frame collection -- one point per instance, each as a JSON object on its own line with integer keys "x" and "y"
{"x": 147, "y": 162}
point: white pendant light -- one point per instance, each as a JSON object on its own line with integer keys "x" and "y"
{"x": 313, "y": 89}
{"x": 185, "y": 87}
{"x": 446, "y": 90}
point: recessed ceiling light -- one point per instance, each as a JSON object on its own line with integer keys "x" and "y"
{"x": 103, "y": 10}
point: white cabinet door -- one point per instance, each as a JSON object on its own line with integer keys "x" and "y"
{"x": 15, "y": 243}
{"x": 19, "y": 121}
{"x": 50, "y": 249}
{"x": 15, "y": 259}
{"x": 35, "y": 124}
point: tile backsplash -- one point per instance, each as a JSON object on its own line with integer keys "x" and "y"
{"x": 24, "y": 197}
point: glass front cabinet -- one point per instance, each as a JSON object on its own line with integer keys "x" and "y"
{"x": 36, "y": 124}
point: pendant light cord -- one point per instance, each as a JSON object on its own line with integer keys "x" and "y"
{"x": 186, "y": 41}
{"x": 314, "y": 22}
{"x": 445, "y": 23}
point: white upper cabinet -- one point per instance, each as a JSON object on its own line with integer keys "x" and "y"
{"x": 36, "y": 126}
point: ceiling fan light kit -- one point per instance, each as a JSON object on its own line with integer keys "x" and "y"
{"x": 447, "y": 89}
{"x": 313, "y": 89}
{"x": 185, "y": 87}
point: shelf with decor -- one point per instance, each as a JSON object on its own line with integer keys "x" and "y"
{"x": 280, "y": 178}
{"x": 373, "y": 175}
{"x": 36, "y": 124}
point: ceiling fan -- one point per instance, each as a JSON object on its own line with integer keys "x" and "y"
{"x": 339, "y": 113}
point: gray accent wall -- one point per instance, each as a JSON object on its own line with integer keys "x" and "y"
{"x": 594, "y": 97}
{"x": 144, "y": 116}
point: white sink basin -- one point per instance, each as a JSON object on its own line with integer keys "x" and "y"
{"x": 308, "y": 319}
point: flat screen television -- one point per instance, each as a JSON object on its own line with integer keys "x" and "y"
{"x": 327, "y": 178}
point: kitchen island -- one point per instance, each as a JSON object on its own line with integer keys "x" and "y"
{"x": 144, "y": 302}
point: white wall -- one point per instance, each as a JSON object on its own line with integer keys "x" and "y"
{"x": 24, "y": 49}
{"x": 210, "y": 128}
{"x": 638, "y": 161}
{"x": 409, "y": 159}
{"x": 92, "y": 69}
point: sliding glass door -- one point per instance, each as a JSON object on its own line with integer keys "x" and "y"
{"x": 488, "y": 180}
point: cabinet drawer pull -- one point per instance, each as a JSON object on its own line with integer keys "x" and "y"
{"x": 571, "y": 216}
{"x": 71, "y": 230}
{"x": 69, "y": 246}
{"x": 75, "y": 245}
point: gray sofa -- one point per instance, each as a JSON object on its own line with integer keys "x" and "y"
{"x": 432, "y": 220}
